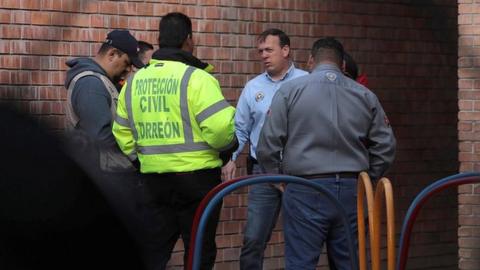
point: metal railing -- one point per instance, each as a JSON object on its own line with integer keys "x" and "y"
{"x": 216, "y": 195}
{"x": 419, "y": 201}
{"x": 374, "y": 203}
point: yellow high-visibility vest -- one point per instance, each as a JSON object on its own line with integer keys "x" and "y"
{"x": 174, "y": 118}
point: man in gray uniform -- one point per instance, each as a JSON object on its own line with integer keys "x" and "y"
{"x": 328, "y": 128}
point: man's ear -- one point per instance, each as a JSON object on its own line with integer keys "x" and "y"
{"x": 111, "y": 54}
{"x": 285, "y": 51}
{"x": 188, "y": 44}
{"x": 311, "y": 63}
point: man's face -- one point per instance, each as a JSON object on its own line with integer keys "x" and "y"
{"x": 121, "y": 66}
{"x": 274, "y": 57}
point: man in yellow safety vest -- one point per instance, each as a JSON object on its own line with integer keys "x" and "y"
{"x": 173, "y": 116}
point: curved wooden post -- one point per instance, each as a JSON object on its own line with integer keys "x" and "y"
{"x": 384, "y": 192}
{"x": 215, "y": 196}
{"x": 364, "y": 189}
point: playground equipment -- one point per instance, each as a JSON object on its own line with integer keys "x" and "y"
{"x": 374, "y": 204}
{"x": 383, "y": 192}
{"x": 217, "y": 194}
{"x": 419, "y": 201}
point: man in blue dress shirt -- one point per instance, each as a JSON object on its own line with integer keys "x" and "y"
{"x": 264, "y": 200}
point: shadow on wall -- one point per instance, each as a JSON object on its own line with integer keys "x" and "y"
{"x": 52, "y": 216}
{"x": 40, "y": 41}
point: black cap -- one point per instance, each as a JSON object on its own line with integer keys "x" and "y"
{"x": 125, "y": 42}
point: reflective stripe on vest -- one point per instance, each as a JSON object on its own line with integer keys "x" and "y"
{"x": 72, "y": 118}
{"x": 122, "y": 121}
{"x": 222, "y": 104}
{"x": 187, "y": 125}
{"x": 189, "y": 145}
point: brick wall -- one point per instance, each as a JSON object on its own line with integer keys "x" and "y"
{"x": 468, "y": 130}
{"x": 407, "y": 48}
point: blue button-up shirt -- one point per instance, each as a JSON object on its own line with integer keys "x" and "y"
{"x": 253, "y": 105}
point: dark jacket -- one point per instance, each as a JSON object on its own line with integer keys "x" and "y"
{"x": 91, "y": 101}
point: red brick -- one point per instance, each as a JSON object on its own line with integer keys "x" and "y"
{"x": 71, "y": 5}
{"x": 109, "y": 7}
{"x": 466, "y": 264}
{"x": 29, "y": 4}
{"x": 408, "y": 66}
{"x": 89, "y": 6}
{"x": 43, "y": 18}
{"x": 465, "y": 84}
{"x": 5, "y": 16}
{"x": 465, "y": 19}
{"x": 465, "y": 105}
{"x": 466, "y": 147}
{"x": 10, "y": 4}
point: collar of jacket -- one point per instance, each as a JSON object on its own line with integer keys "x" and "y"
{"x": 179, "y": 55}
{"x": 326, "y": 66}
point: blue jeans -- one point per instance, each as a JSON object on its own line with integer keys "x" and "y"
{"x": 264, "y": 202}
{"x": 310, "y": 220}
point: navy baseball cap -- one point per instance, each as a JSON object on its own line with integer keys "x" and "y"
{"x": 125, "y": 42}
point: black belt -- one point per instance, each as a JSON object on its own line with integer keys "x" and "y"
{"x": 193, "y": 172}
{"x": 331, "y": 175}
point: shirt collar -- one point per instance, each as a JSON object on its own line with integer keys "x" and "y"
{"x": 323, "y": 67}
{"x": 285, "y": 76}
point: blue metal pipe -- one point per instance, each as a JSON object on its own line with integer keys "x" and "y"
{"x": 419, "y": 201}
{"x": 270, "y": 179}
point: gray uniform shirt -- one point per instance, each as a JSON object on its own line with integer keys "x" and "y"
{"x": 326, "y": 123}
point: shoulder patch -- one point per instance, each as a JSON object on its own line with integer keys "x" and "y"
{"x": 331, "y": 76}
{"x": 259, "y": 96}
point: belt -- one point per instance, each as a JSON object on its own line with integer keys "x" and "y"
{"x": 331, "y": 175}
{"x": 192, "y": 172}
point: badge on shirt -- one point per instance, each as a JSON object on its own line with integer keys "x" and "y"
{"x": 259, "y": 96}
{"x": 331, "y": 76}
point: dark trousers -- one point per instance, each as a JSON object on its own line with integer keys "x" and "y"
{"x": 310, "y": 220}
{"x": 264, "y": 202}
{"x": 124, "y": 195}
{"x": 172, "y": 200}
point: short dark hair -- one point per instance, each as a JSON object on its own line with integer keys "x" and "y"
{"x": 328, "y": 48}
{"x": 284, "y": 39}
{"x": 106, "y": 47}
{"x": 174, "y": 29}
{"x": 351, "y": 68}
{"x": 143, "y": 47}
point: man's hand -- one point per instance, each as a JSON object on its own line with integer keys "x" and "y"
{"x": 280, "y": 186}
{"x": 228, "y": 171}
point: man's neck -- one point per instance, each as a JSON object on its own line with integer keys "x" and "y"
{"x": 328, "y": 62}
{"x": 281, "y": 74}
{"x": 101, "y": 62}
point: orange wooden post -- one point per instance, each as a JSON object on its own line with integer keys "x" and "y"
{"x": 383, "y": 192}
{"x": 364, "y": 189}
